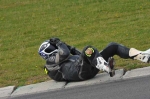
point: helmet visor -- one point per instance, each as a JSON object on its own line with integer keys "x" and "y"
{"x": 46, "y": 49}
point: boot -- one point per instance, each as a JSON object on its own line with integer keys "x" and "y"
{"x": 111, "y": 63}
{"x": 144, "y": 56}
{"x": 103, "y": 65}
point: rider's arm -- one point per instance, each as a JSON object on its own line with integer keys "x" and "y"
{"x": 52, "y": 67}
{"x": 63, "y": 51}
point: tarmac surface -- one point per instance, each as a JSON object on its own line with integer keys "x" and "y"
{"x": 13, "y": 91}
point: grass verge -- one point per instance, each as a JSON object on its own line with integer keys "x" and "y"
{"x": 25, "y": 24}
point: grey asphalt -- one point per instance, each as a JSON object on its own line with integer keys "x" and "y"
{"x": 135, "y": 88}
{"x": 13, "y": 91}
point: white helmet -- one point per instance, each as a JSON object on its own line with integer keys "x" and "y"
{"x": 46, "y": 49}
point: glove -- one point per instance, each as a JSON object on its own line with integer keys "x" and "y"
{"x": 54, "y": 41}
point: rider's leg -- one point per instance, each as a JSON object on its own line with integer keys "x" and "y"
{"x": 87, "y": 69}
{"x": 115, "y": 49}
{"x": 92, "y": 56}
{"x": 125, "y": 52}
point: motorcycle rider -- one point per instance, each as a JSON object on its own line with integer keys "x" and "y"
{"x": 66, "y": 63}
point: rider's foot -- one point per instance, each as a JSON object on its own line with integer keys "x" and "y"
{"x": 144, "y": 56}
{"x": 112, "y": 73}
{"x": 103, "y": 65}
{"x": 111, "y": 64}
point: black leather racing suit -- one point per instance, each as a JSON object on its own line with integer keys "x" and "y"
{"x": 71, "y": 65}
{"x": 68, "y": 65}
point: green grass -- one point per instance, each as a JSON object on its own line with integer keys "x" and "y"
{"x": 25, "y": 24}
